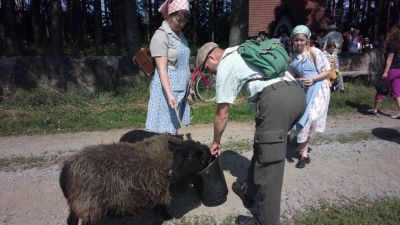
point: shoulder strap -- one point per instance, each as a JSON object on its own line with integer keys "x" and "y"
{"x": 312, "y": 56}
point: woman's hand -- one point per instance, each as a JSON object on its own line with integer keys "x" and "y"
{"x": 171, "y": 101}
{"x": 384, "y": 76}
{"x": 308, "y": 82}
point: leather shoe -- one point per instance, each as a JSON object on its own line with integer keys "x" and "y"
{"x": 237, "y": 188}
{"x": 303, "y": 161}
{"x": 246, "y": 220}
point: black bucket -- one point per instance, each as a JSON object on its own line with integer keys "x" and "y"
{"x": 211, "y": 184}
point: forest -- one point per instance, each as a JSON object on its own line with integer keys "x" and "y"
{"x": 120, "y": 27}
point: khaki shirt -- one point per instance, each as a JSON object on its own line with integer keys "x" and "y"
{"x": 165, "y": 43}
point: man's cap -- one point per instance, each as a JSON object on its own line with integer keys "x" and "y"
{"x": 203, "y": 53}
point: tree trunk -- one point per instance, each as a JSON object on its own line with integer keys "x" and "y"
{"x": 378, "y": 11}
{"x": 132, "y": 28}
{"x": 77, "y": 24}
{"x": 340, "y": 13}
{"x": 84, "y": 14}
{"x": 120, "y": 22}
{"x": 239, "y": 22}
{"x": 211, "y": 20}
{"x": 196, "y": 15}
{"x": 107, "y": 22}
{"x": 356, "y": 14}
{"x": 98, "y": 36}
{"x": 10, "y": 26}
{"x": 149, "y": 18}
{"x": 368, "y": 20}
{"x": 55, "y": 27}
{"x": 396, "y": 8}
{"x": 35, "y": 10}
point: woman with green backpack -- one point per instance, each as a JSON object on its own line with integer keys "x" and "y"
{"x": 311, "y": 67}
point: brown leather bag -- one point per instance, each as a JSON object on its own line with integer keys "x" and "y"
{"x": 144, "y": 60}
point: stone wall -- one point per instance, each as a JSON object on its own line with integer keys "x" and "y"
{"x": 63, "y": 74}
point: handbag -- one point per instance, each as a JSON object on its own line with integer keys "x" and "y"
{"x": 382, "y": 87}
{"x": 144, "y": 60}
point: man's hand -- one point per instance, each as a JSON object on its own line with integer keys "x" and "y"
{"x": 215, "y": 149}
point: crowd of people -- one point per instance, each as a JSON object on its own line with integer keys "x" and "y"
{"x": 295, "y": 103}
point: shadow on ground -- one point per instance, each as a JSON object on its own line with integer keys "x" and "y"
{"x": 387, "y": 134}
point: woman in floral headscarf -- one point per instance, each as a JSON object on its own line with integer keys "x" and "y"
{"x": 311, "y": 67}
{"x": 168, "y": 107}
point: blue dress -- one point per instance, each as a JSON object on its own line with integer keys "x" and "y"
{"x": 161, "y": 118}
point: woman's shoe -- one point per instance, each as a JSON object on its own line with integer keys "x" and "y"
{"x": 395, "y": 116}
{"x": 372, "y": 111}
{"x": 303, "y": 161}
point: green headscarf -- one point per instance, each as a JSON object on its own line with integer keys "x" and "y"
{"x": 301, "y": 29}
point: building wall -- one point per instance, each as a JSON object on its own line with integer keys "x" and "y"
{"x": 261, "y": 14}
{"x": 264, "y": 15}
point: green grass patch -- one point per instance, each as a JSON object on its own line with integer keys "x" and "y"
{"x": 385, "y": 211}
{"x": 41, "y": 111}
{"x": 380, "y": 212}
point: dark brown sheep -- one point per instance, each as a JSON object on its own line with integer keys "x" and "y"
{"x": 134, "y": 136}
{"x": 120, "y": 179}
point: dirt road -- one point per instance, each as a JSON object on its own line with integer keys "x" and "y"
{"x": 365, "y": 166}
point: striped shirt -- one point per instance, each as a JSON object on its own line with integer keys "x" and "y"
{"x": 233, "y": 74}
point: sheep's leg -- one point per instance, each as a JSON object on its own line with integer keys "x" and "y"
{"x": 162, "y": 211}
{"x": 72, "y": 219}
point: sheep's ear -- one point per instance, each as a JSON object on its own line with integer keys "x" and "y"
{"x": 173, "y": 145}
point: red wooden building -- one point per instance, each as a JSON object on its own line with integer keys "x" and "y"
{"x": 273, "y": 16}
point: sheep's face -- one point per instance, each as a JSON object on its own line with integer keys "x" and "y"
{"x": 190, "y": 158}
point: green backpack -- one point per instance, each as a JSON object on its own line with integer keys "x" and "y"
{"x": 269, "y": 56}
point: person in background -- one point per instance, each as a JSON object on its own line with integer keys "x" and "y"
{"x": 335, "y": 37}
{"x": 392, "y": 70}
{"x": 313, "y": 41}
{"x": 333, "y": 58}
{"x": 320, "y": 39}
{"x": 354, "y": 42}
{"x": 379, "y": 42}
{"x": 310, "y": 66}
{"x": 262, "y": 36}
{"x": 284, "y": 39}
{"x": 167, "y": 107}
{"x": 366, "y": 44}
{"x": 279, "y": 103}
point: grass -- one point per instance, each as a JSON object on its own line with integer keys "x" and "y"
{"x": 379, "y": 212}
{"x": 384, "y": 211}
{"x": 41, "y": 112}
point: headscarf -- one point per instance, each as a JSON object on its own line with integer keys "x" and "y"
{"x": 301, "y": 29}
{"x": 171, "y": 6}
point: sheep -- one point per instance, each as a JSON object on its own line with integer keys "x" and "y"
{"x": 134, "y": 136}
{"x": 122, "y": 178}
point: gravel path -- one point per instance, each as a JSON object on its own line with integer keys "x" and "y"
{"x": 339, "y": 172}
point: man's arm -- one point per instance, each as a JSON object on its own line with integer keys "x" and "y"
{"x": 220, "y": 121}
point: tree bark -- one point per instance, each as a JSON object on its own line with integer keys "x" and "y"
{"x": 10, "y": 26}
{"x": 120, "y": 22}
{"x": 196, "y": 15}
{"x": 239, "y": 22}
{"x": 149, "y": 18}
{"x": 35, "y": 10}
{"x": 98, "y": 36}
{"x": 55, "y": 27}
{"x": 378, "y": 11}
{"x": 211, "y": 20}
{"x": 132, "y": 28}
{"x": 396, "y": 9}
{"x": 77, "y": 24}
